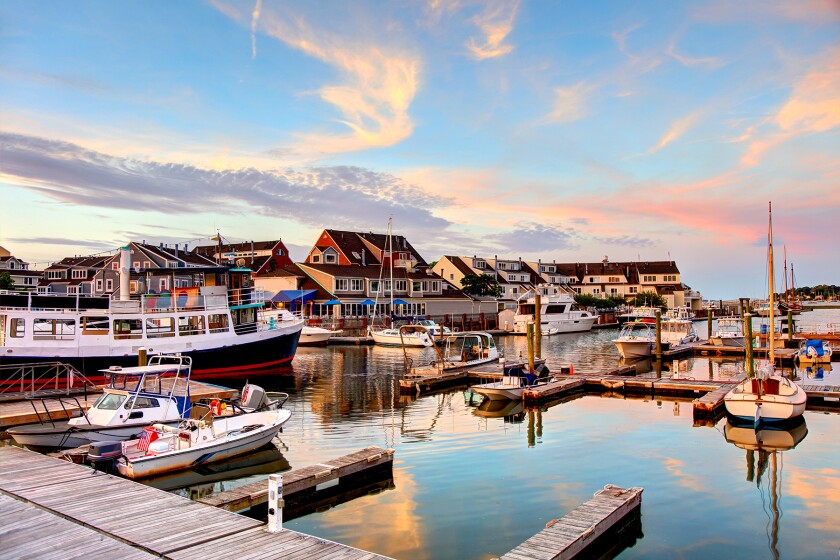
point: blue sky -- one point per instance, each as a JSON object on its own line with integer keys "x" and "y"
{"x": 555, "y": 130}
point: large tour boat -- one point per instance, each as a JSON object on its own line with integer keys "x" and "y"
{"x": 220, "y": 325}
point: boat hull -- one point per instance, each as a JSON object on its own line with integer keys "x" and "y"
{"x": 728, "y": 342}
{"x": 396, "y": 340}
{"x": 60, "y": 435}
{"x": 745, "y": 404}
{"x": 634, "y": 349}
{"x": 499, "y": 391}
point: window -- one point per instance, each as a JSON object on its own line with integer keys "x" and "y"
{"x": 163, "y": 284}
{"x": 160, "y": 328}
{"x": 171, "y": 264}
{"x": 400, "y": 285}
{"x": 218, "y": 322}
{"x": 190, "y": 325}
{"x": 614, "y": 279}
{"x": 596, "y": 290}
{"x": 523, "y": 278}
{"x": 514, "y": 291}
{"x": 99, "y": 284}
{"x": 72, "y": 290}
{"x": 342, "y": 284}
{"x": 115, "y": 265}
{"x": 128, "y": 328}
{"x": 316, "y": 258}
{"x": 109, "y": 401}
{"x": 502, "y": 266}
{"x": 28, "y": 281}
{"x": 80, "y": 273}
{"x": 669, "y": 278}
{"x": 330, "y": 258}
{"x": 416, "y": 286}
{"x": 141, "y": 402}
{"x": 374, "y": 286}
{"x": 436, "y": 286}
{"x": 55, "y": 274}
{"x": 279, "y": 252}
{"x": 109, "y": 285}
{"x": 648, "y": 278}
{"x": 146, "y": 264}
{"x": 17, "y": 329}
{"x": 555, "y": 308}
{"x": 613, "y": 291}
{"x": 357, "y": 284}
{"x": 132, "y": 286}
{"x": 94, "y": 325}
{"x": 452, "y": 277}
{"x": 480, "y": 264}
{"x": 633, "y": 289}
{"x": 135, "y": 264}
{"x": 54, "y": 329}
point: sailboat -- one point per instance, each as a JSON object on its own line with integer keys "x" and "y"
{"x": 418, "y": 336}
{"x": 767, "y": 397}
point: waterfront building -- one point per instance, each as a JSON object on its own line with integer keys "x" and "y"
{"x": 71, "y": 276}
{"x": 18, "y": 269}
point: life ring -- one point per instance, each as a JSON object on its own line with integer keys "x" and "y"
{"x": 215, "y": 407}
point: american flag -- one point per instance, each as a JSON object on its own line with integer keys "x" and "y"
{"x": 147, "y": 436}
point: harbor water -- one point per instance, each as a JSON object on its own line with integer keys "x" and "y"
{"x": 473, "y": 483}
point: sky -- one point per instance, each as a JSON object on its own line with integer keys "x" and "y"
{"x": 558, "y": 130}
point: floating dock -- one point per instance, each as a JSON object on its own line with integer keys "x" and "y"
{"x": 62, "y": 509}
{"x": 305, "y": 479}
{"x": 21, "y": 411}
{"x": 572, "y": 535}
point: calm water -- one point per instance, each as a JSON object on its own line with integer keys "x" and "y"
{"x": 472, "y": 486}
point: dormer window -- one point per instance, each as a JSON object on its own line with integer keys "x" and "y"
{"x": 316, "y": 258}
{"x": 77, "y": 273}
{"x": 329, "y": 258}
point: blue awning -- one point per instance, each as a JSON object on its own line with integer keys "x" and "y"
{"x": 294, "y": 295}
{"x": 400, "y": 302}
{"x": 332, "y": 302}
{"x": 367, "y": 302}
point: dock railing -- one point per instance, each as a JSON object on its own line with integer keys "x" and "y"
{"x": 42, "y": 379}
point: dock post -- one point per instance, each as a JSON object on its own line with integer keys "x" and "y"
{"x": 530, "y": 336}
{"x": 658, "y": 350}
{"x": 790, "y": 325}
{"x": 538, "y": 323}
{"x": 748, "y": 342}
{"x": 275, "y": 503}
{"x": 141, "y": 356}
{"x": 709, "y": 319}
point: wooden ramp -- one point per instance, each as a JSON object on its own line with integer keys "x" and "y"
{"x": 301, "y": 480}
{"x": 570, "y": 535}
{"x": 123, "y": 513}
{"x": 17, "y": 412}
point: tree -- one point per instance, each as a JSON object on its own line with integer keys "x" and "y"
{"x": 651, "y": 299}
{"x": 480, "y": 285}
{"x": 6, "y": 282}
{"x": 590, "y": 300}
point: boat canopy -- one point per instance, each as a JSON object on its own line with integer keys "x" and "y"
{"x": 294, "y": 295}
{"x": 817, "y": 345}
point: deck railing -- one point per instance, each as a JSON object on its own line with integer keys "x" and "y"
{"x": 42, "y": 378}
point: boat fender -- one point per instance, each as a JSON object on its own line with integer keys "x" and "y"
{"x": 215, "y": 407}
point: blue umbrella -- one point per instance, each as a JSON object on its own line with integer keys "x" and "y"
{"x": 332, "y": 302}
{"x": 400, "y": 302}
{"x": 367, "y": 302}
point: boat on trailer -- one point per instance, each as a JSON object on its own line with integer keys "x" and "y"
{"x": 135, "y": 397}
{"x": 222, "y": 327}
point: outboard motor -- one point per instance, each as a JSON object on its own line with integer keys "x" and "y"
{"x": 102, "y": 455}
{"x": 254, "y": 398}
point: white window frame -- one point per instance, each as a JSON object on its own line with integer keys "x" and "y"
{"x": 357, "y": 284}
{"x": 99, "y": 284}
{"x": 342, "y": 284}
{"x": 109, "y": 285}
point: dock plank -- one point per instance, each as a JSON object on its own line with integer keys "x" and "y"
{"x": 571, "y": 534}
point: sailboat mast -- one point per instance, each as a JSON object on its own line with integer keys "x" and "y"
{"x": 786, "y": 283}
{"x": 391, "y": 259}
{"x": 771, "y": 282}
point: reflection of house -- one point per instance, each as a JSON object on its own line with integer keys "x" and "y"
{"x": 357, "y": 268}
{"x": 70, "y": 276}
{"x": 601, "y": 279}
{"x": 23, "y": 278}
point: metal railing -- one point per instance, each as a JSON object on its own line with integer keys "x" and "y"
{"x": 43, "y": 378}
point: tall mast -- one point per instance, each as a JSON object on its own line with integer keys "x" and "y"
{"x": 771, "y": 282}
{"x": 391, "y": 259}
{"x": 786, "y": 284}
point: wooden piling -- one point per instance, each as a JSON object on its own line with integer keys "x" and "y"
{"x": 709, "y": 320}
{"x": 790, "y": 325}
{"x": 658, "y": 350}
{"x": 141, "y": 357}
{"x": 748, "y": 343}
{"x": 538, "y": 323}
{"x": 530, "y": 335}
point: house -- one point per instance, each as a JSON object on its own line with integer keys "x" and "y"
{"x": 22, "y": 277}
{"x": 71, "y": 276}
{"x": 359, "y": 270}
{"x": 262, "y": 257}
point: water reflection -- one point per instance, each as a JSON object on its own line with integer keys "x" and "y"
{"x": 767, "y": 444}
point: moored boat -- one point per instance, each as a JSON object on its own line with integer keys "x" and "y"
{"x": 559, "y": 313}
{"x": 813, "y": 351}
{"x": 460, "y": 351}
{"x": 635, "y": 340}
{"x": 730, "y": 333}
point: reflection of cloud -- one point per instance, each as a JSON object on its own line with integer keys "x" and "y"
{"x": 496, "y": 23}
{"x": 690, "y": 481}
{"x": 822, "y": 503}
{"x": 349, "y": 195}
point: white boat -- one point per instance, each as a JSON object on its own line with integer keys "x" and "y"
{"x": 460, "y": 351}
{"x": 222, "y": 328}
{"x": 813, "y": 351}
{"x": 641, "y": 313}
{"x": 512, "y": 385}
{"x": 635, "y": 340}
{"x": 559, "y": 313}
{"x": 676, "y": 331}
{"x": 196, "y": 442}
{"x": 438, "y": 332}
{"x": 136, "y": 397}
{"x": 730, "y": 332}
{"x": 316, "y": 336}
{"x": 767, "y": 397}
{"x": 410, "y": 336}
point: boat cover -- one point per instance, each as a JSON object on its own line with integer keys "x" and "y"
{"x": 817, "y": 345}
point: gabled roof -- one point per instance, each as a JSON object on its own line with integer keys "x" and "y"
{"x": 369, "y": 271}
{"x": 351, "y": 246}
{"x": 461, "y": 264}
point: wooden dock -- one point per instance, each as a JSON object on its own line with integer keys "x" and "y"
{"x": 105, "y": 516}
{"x": 571, "y": 535}
{"x": 552, "y": 389}
{"x": 303, "y": 480}
{"x": 17, "y": 412}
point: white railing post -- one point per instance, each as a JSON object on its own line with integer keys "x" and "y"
{"x": 275, "y": 503}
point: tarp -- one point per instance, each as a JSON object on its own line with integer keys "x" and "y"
{"x": 400, "y": 302}
{"x": 817, "y": 345}
{"x": 367, "y": 302}
{"x": 294, "y": 295}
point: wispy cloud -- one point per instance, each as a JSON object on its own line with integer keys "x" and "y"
{"x": 255, "y": 20}
{"x": 570, "y": 103}
{"x": 710, "y": 62}
{"x": 822, "y": 12}
{"x": 379, "y": 85}
{"x": 495, "y": 23}
{"x": 676, "y": 130}
{"x": 530, "y": 237}
{"x": 71, "y": 174}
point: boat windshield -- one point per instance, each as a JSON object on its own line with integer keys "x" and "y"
{"x": 109, "y": 401}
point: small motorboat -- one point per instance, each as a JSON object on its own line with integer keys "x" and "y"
{"x": 513, "y": 384}
{"x": 636, "y": 340}
{"x": 813, "y": 352}
{"x": 135, "y": 397}
{"x": 730, "y": 333}
{"x": 461, "y": 350}
{"x": 194, "y": 442}
{"x": 316, "y": 336}
{"x": 407, "y": 336}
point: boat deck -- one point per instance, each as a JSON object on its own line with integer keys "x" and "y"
{"x": 62, "y": 508}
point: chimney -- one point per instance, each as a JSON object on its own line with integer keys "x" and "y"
{"x": 252, "y": 251}
{"x": 363, "y": 257}
{"x": 125, "y": 262}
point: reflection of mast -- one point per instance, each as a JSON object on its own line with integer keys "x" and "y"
{"x": 774, "y": 507}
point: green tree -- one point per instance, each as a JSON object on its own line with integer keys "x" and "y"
{"x": 6, "y": 282}
{"x": 480, "y": 285}
{"x": 651, "y": 299}
{"x": 590, "y": 300}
